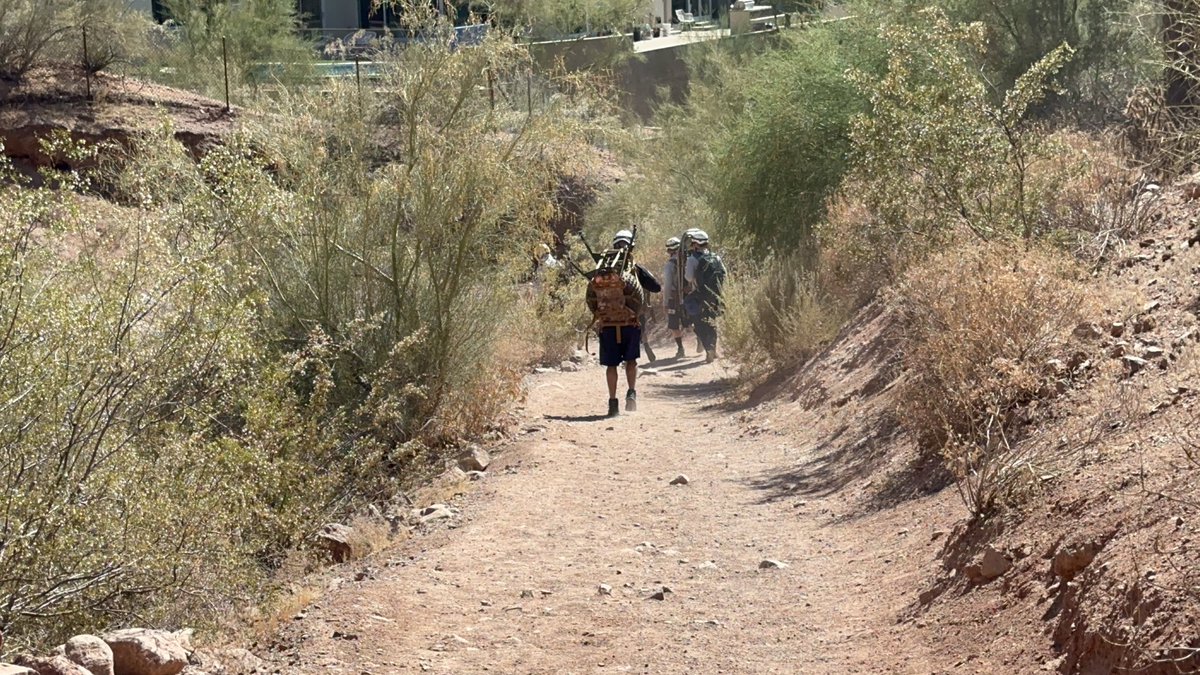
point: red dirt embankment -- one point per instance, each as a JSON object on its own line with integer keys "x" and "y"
{"x": 53, "y": 101}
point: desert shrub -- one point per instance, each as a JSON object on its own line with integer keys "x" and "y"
{"x": 260, "y": 39}
{"x": 775, "y": 125}
{"x": 117, "y": 33}
{"x": 980, "y": 324}
{"x": 548, "y": 19}
{"x": 269, "y": 337}
{"x": 1110, "y": 58}
{"x": 777, "y": 316}
{"x": 34, "y": 33}
{"x": 555, "y": 314}
{"x": 121, "y": 352}
{"x": 934, "y": 156}
{"x": 1091, "y": 196}
{"x": 398, "y": 225}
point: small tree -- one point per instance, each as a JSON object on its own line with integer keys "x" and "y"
{"x": 934, "y": 156}
{"x": 28, "y": 31}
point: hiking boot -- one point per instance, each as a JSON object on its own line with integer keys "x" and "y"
{"x": 614, "y": 407}
{"x": 680, "y": 353}
{"x": 710, "y": 356}
{"x": 630, "y": 401}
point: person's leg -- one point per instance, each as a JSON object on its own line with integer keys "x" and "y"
{"x": 675, "y": 323}
{"x": 706, "y": 331}
{"x": 610, "y": 357}
{"x": 631, "y": 356}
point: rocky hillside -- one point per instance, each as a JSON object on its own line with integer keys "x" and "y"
{"x": 1095, "y": 572}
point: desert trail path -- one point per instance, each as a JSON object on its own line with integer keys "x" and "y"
{"x": 580, "y": 502}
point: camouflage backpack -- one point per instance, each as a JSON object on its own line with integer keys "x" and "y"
{"x": 615, "y": 293}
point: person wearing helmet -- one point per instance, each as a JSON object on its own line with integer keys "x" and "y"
{"x": 624, "y": 239}
{"x": 705, "y": 276}
{"x": 672, "y": 296}
{"x": 620, "y": 337}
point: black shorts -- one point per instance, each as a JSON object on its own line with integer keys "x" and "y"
{"x": 677, "y": 319}
{"x": 629, "y": 348}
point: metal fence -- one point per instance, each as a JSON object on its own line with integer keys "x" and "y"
{"x": 218, "y": 70}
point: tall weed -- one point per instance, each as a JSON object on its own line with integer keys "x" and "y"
{"x": 981, "y": 323}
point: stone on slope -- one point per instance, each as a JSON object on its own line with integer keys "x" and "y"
{"x": 336, "y": 538}
{"x": 141, "y": 651}
{"x": 90, "y": 652}
{"x": 474, "y": 458}
{"x": 990, "y": 565}
{"x": 52, "y": 665}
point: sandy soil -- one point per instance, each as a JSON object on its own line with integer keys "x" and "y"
{"x": 582, "y": 501}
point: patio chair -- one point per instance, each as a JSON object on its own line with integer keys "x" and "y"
{"x": 686, "y": 20}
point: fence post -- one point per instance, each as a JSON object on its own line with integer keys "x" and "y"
{"x": 491, "y": 89}
{"x": 358, "y": 81}
{"x": 87, "y": 65}
{"x": 225, "y": 65}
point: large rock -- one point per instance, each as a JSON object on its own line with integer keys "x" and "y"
{"x": 10, "y": 669}
{"x": 52, "y": 665}
{"x": 988, "y": 566}
{"x": 336, "y": 538}
{"x": 140, "y": 651}
{"x": 1072, "y": 559}
{"x": 90, "y": 652}
{"x": 474, "y": 458}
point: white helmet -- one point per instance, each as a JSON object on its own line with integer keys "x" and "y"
{"x": 699, "y": 236}
{"x": 625, "y": 236}
{"x": 673, "y": 243}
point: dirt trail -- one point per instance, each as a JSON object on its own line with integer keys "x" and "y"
{"x": 582, "y": 501}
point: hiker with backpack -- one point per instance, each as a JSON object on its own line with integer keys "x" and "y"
{"x": 673, "y": 293}
{"x": 615, "y": 295}
{"x": 705, "y": 277}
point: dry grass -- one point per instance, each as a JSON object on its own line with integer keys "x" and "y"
{"x": 267, "y": 620}
{"x": 982, "y": 323}
{"x": 1091, "y": 196}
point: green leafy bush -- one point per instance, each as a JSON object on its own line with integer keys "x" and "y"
{"x": 774, "y": 128}
{"x": 121, "y": 352}
{"x": 1110, "y": 56}
{"x": 934, "y": 157}
{"x": 259, "y": 40}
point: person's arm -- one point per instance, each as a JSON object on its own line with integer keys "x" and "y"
{"x": 689, "y": 272}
